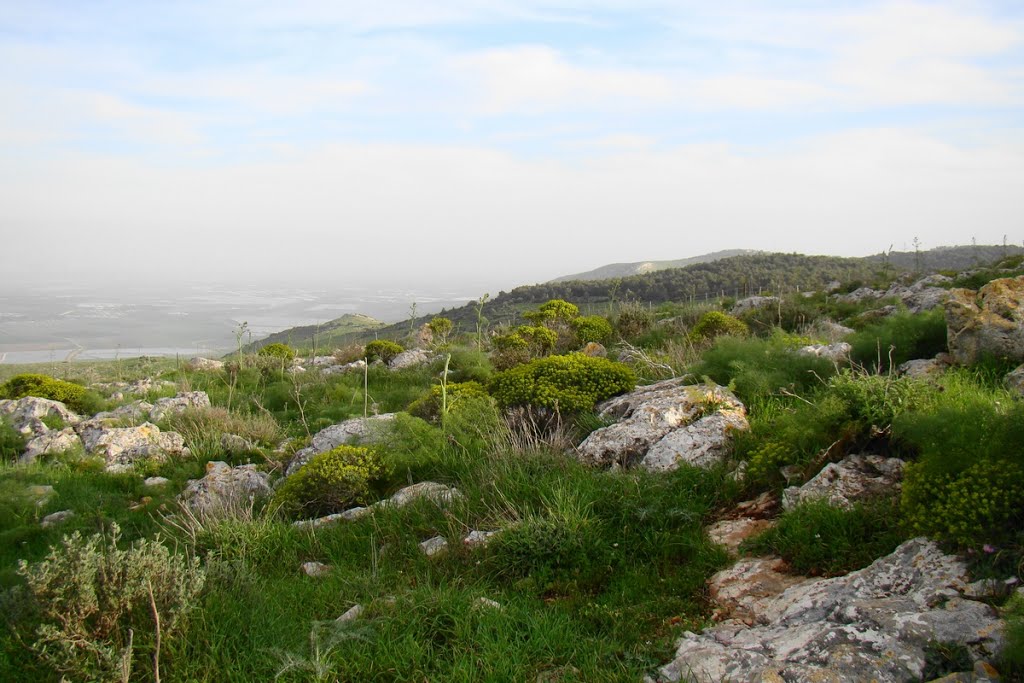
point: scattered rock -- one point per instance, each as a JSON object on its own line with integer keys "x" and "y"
{"x": 353, "y": 613}
{"x": 477, "y": 539}
{"x": 765, "y": 506}
{"x": 424, "y": 336}
{"x": 295, "y": 370}
{"x": 655, "y": 412}
{"x": 730, "y": 533}
{"x": 323, "y": 361}
{"x": 316, "y": 569}
{"x": 924, "y": 368}
{"x": 407, "y": 359}
{"x": 51, "y": 442}
{"x": 200, "y": 363}
{"x": 753, "y": 303}
{"x": 346, "y": 516}
{"x": 136, "y": 410}
{"x": 487, "y": 603}
{"x": 595, "y": 350}
{"x": 873, "y": 624}
{"x": 347, "y": 367}
{"x": 832, "y": 331}
{"x": 987, "y": 322}
{"x": 1015, "y": 380}
{"x": 178, "y": 404}
{"x": 156, "y": 481}
{"x": 838, "y": 352}
{"x": 225, "y": 488}
{"x": 425, "y": 490}
{"x": 859, "y": 295}
{"x": 122, "y": 446}
{"x": 55, "y": 518}
{"x": 26, "y": 414}
{"x": 854, "y": 478}
{"x": 232, "y": 443}
{"x": 433, "y": 546}
{"x": 356, "y": 430}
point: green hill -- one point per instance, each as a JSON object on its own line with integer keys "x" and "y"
{"x": 331, "y": 334}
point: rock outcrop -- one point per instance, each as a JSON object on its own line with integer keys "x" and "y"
{"x": 439, "y": 494}
{"x": 408, "y": 359}
{"x": 121, "y": 447}
{"x": 178, "y": 404}
{"x": 666, "y": 424}
{"x": 52, "y": 442}
{"x": 26, "y": 414}
{"x": 225, "y": 489}
{"x": 753, "y": 303}
{"x": 838, "y": 352}
{"x": 208, "y": 364}
{"x": 987, "y": 322}
{"x": 355, "y": 430}
{"x": 874, "y": 624}
{"x": 853, "y": 479}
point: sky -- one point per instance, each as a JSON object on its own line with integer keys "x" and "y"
{"x": 496, "y": 143}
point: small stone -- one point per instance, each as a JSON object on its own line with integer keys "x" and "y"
{"x": 487, "y": 603}
{"x": 353, "y": 613}
{"x": 350, "y": 515}
{"x": 316, "y": 569}
{"x": 56, "y": 518}
{"x": 156, "y": 481}
{"x": 479, "y": 538}
{"x": 433, "y": 546}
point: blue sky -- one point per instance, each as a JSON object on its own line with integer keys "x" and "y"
{"x": 498, "y": 142}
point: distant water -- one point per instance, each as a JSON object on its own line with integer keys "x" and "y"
{"x": 54, "y": 324}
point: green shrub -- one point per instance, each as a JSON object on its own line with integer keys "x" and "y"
{"x": 74, "y": 396}
{"x": 382, "y": 349}
{"x": 441, "y": 328}
{"x": 633, "y": 320}
{"x": 469, "y": 365}
{"x": 553, "y": 310}
{"x": 521, "y": 345}
{"x": 570, "y": 383}
{"x": 592, "y": 328}
{"x": 716, "y": 324}
{"x": 12, "y": 444}
{"x": 331, "y": 482}
{"x": 818, "y": 539}
{"x": 96, "y": 603}
{"x": 429, "y": 406}
{"x": 278, "y": 350}
{"x": 909, "y": 335}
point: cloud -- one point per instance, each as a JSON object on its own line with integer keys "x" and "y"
{"x": 536, "y": 78}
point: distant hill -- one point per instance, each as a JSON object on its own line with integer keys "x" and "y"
{"x": 958, "y": 258}
{"x": 618, "y": 270}
{"x": 331, "y": 334}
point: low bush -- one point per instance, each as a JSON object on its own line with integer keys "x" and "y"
{"x": 99, "y": 605}
{"x": 898, "y": 338}
{"x": 521, "y": 345}
{"x": 571, "y": 383}
{"x": 633, "y": 320}
{"x": 429, "y": 406}
{"x": 592, "y": 328}
{"x": 441, "y": 328}
{"x": 383, "y": 349}
{"x": 74, "y": 396}
{"x": 818, "y": 539}
{"x": 469, "y": 365}
{"x": 349, "y": 354}
{"x": 278, "y": 350}
{"x": 716, "y": 324}
{"x": 331, "y": 482}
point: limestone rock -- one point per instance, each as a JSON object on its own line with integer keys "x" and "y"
{"x": 425, "y": 490}
{"x": 753, "y": 303}
{"x": 50, "y": 443}
{"x": 838, "y": 352}
{"x": 56, "y": 518}
{"x": 225, "y": 488}
{"x": 595, "y": 350}
{"x": 652, "y": 413}
{"x": 860, "y": 295}
{"x": 200, "y": 363}
{"x": 922, "y": 368}
{"x": 351, "y": 614}
{"x": 26, "y": 414}
{"x": 730, "y": 533}
{"x": 487, "y": 603}
{"x": 855, "y": 478}
{"x": 232, "y": 443}
{"x": 407, "y": 359}
{"x": 136, "y": 410}
{"x": 155, "y": 481}
{"x": 830, "y": 330}
{"x": 122, "y": 446}
{"x": 356, "y": 430}
{"x": 745, "y": 590}
{"x": 1015, "y": 380}
{"x": 347, "y": 367}
{"x": 873, "y": 624}
{"x": 987, "y": 322}
{"x": 478, "y": 539}
{"x": 433, "y": 546}
{"x": 350, "y": 515}
{"x": 179, "y": 404}
{"x": 316, "y": 570}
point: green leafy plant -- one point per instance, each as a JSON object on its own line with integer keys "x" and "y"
{"x": 522, "y": 344}
{"x": 74, "y": 396}
{"x": 428, "y": 406}
{"x": 716, "y": 324}
{"x": 12, "y": 444}
{"x": 331, "y": 481}
{"x": 383, "y": 349}
{"x": 441, "y": 328}
{"x": 592, "y": 328}
{"x": 100, "y": 605}
{"x": 569, "y": 383}
{"x": 898, "y": 338}
{"x": 278, "y": 350}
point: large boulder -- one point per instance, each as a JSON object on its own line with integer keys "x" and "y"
{"x": 1014, "y": 381}
{"x": 26, "y": 414}
{"x": 875, "y": 624}
{"x": 121, "y": 447}
{"x": 839, "y": 352}
{"x": 208, "y": 364}
{"x": 853, "y": 479}
{"x": 987, "y": 322}
{"x": 666, "y": 424}
{"x": 408, "y": 359}
{"x": 355, "y": 430}
{"x": 923, "y": 295}
{"x": 225, "y": 489}
{"x": 179, "y": 404}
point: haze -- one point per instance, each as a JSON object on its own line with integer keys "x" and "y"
{"x": 489, "y": 144}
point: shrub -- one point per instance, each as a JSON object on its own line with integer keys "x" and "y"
{"x": 331, "y": 481}
{"x": 910, "y": 336}
{"x": 383, "y": 349}
{"x": 441, "y": 328}
{"x": 633, "y": 320}
{"x": 74, "y": 396}
{"x": 553, "y": 310}
{"x": 716, "y": 324}
{"x": 818, "y": 539}
{"x": 278, "y": 350}
{"x": 349, "y": 354}
{"x": 592, "y": 328}
{"x": 521, "y": 345}
{"x": 469, "y": 365}
{"x": 570, "y": 383}
{"x": 97, "y": 602}
{"x": 12, "y": 444}
{"x": 428, "y": 406}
